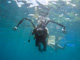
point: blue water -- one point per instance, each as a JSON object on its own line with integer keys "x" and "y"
{"x": 14, "y": 45}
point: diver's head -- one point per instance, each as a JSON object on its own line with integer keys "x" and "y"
{"x": 40, "y": 31}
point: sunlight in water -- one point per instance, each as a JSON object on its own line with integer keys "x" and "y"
{"x": 52, "y": 4}
{"x": 44, "y": 2}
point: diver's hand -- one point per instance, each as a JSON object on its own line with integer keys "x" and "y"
{"x": 15, "y": 28}
{"x": 64, "y": 31}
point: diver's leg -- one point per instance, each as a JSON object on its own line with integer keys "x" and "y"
{"x": 44, "y": 45}
{"x": 39, "y": 47}
{"x": 37, "y": 43}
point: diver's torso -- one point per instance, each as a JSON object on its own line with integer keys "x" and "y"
{"x": 41, "y": 33}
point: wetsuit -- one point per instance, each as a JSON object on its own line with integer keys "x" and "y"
{"x": 41, "y": 38}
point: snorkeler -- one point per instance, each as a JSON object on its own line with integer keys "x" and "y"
{"x": 41, "y": 35}
{"x": 56, "y": 45}
{"x": 41, "y": 32}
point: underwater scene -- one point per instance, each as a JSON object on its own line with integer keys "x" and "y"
{"x": 39, "y": 29}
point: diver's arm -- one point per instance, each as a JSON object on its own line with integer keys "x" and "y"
{"x": 60, "y": 47}
{"x": 46, "y": 32}
{"x": 52, "y": 46}
{"x": 58, "y": 24}
{"x": 22, "y": 21}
